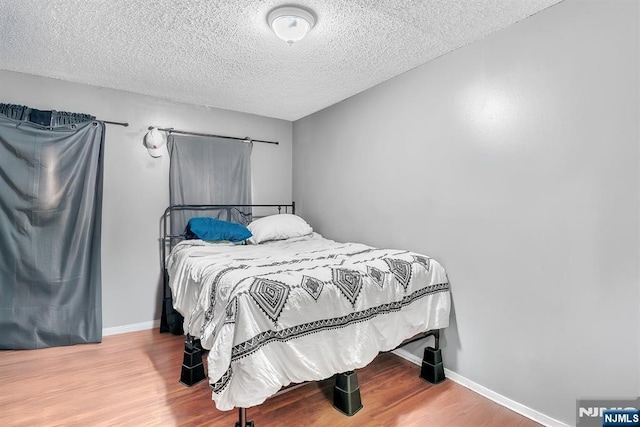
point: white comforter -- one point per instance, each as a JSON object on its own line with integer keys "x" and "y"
{"x": 300, "y": 310}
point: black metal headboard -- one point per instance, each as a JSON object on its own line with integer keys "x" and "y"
{"x": 171, "y": 320}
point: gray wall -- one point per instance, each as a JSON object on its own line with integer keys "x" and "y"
{"x": 514, "y": 161}
{"x": 136, "y": 186}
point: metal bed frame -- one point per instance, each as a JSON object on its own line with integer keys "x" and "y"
{"x": 171, "y": 320}
{"x": 346, "y": 394}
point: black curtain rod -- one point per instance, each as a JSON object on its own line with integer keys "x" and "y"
{"x": 184, "y": 132}
{"x": 115, "y": 123}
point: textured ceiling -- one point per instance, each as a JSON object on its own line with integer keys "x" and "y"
{"x": 223, "y": 54}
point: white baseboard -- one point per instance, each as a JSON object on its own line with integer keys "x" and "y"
{"x": 131, "y": 328}
{"x": 489, "y": 394}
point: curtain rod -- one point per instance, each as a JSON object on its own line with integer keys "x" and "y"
{"x": 114, "y": 123}
{"x": 184, "y": 132}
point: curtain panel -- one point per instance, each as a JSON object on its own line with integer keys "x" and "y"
{"x": 208, "y": 171}
{"x": 47, "y": 118}
{"x": 50, "y": 228}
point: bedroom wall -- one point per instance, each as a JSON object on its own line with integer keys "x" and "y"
{"x": 136, "y": 185}
{"x": 514, "y": 161}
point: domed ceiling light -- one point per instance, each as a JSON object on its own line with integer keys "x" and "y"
{"x": 291, "y": 23}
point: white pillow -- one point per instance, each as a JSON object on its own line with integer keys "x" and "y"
{"x": 278, "y": 227}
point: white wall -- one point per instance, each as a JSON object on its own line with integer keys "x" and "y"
{"x": 514, "y": 161}
{"x": 136, "y": 185}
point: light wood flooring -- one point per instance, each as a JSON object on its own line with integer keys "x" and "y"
{"x": 132, "y": 380}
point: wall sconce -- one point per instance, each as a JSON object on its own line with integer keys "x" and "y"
{"x": 155, "y": 140}
{"x": 291, "y": 23}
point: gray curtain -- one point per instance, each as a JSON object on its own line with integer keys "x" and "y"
{"x": 211, "y": 171}
{"x": 50, "y": 220}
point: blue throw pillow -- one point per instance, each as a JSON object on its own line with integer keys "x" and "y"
{"x": 207, "y": 228}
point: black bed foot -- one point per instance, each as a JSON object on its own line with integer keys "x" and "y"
{"x": 242, "y": 418}
{"x": 346, "y": 393}
{"x": 432, "y": 366}
{"x": 192, "y": 367}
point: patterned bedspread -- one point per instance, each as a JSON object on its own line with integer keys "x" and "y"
{"x": 300, "y": 310}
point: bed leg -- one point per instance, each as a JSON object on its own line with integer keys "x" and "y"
{"x": 192, "y": 367}
{"x": 432, "y": 366}
{"x": 242, "y": 418}
{"x": 346, "y": 393}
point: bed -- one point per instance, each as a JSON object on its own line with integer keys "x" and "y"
{"x": 292, "y": 306}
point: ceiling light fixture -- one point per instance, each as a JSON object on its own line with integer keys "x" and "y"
{"x": 291, "y": 23}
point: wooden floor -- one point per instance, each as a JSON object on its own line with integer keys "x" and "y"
{"x": 132, "y": 380}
